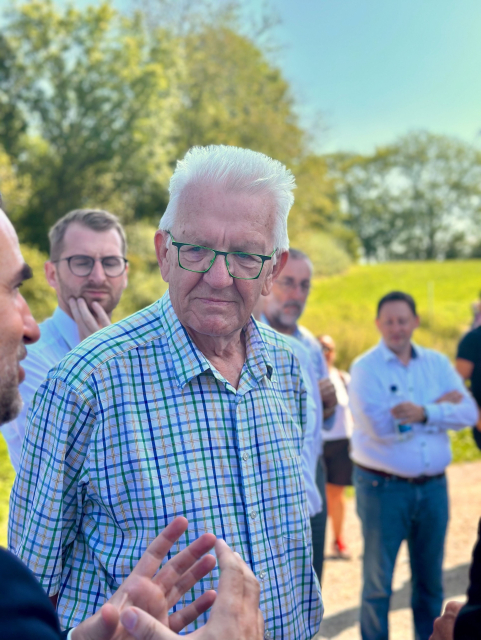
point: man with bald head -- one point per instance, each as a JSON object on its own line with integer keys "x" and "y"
{"x": 186, "y": 408}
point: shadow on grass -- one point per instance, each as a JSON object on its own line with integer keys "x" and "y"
{"x": 456, "y": 581}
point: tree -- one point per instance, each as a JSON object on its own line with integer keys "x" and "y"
{"x": 412, "y": 199}
{"x": 98, "y": 93}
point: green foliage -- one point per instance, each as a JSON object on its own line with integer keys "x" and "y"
{"x": 41, "y": 298}
{"x": 327, "y": 255}
{"x": 7, "y": 476}
{"x": 464, "y": 447}
{"x": 99, "y": 95}
{"x": 419, "y": 198}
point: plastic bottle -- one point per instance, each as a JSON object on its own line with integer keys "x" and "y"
{"x": 403, "y": 431}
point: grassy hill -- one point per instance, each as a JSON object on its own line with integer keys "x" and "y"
{"x": 344, "y": 306}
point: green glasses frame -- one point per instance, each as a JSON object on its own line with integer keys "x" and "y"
{"x": 179, "y": 245}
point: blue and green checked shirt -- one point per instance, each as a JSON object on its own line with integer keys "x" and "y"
{"x": 135, "y": 427}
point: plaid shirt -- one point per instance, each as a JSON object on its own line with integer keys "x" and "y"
{"x": 135, "y": 427}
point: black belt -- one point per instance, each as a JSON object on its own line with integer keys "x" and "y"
{"x": 417, "y": 480}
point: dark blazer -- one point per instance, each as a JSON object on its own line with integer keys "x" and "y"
{"x": 468, "y": 621}
{"x": 26, "y": 612}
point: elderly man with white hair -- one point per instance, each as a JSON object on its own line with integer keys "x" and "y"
{"x": 188, "y": 407}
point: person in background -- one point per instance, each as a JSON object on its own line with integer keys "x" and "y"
{"x": 282, "y": 309}
{"x": 186, "y": 407}
{"x": 88, "y": 271}
{"x": 468, "y": 365}
{"x": 336, "y": 450}
{"x": 26, "y": 613}
{"x": 403, "y": 398}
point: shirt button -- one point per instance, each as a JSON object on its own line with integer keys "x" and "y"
{"x": 253, "y": 515}
{"x": 245, "y": 456}
{"x": 262, "y": 575}
{"x": 267, "y": 635}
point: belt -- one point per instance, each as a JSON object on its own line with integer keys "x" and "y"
{"x": 391, "y": 476}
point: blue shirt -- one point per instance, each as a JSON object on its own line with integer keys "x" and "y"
{"x": 58, "y": 335}
{"x": 428, "y": 375}
{"x": 134, "y": 427}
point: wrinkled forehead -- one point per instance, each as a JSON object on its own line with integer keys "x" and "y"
{"x": 207, "y": 210}
{"x": 298, "y": 268}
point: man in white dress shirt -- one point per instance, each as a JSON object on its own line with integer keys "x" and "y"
{"x": 88, "y": 270}
{"x": 281, "y": 310}
{"x": 403, "y": 398}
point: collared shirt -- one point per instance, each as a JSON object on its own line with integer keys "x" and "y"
{"x": 342, "y": 427}
{"x": 312, "y": 447}
{"x": 135, "y": 427}
{"x": 315, "y": 349}
{"x": 58, "y": 335}
{"x": 379, "y": 381}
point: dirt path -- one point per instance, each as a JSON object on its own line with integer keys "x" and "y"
{"x": 342, "y": 580}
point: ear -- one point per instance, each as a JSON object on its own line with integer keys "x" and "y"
{"x": 418, "y": 321}
{"x": 51, "y": 274}
{"x": 161, "y": 249}
{"x": 276, "y": 270}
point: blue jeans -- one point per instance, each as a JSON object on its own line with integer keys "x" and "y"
{"x": 392, "y": 511}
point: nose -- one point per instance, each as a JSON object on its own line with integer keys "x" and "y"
{"x": 31, "y": 332}
{"x": 97, "y": 274}
{"x": 218, "y": 277}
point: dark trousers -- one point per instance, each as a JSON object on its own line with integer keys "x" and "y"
{"x": 318, "y": 522}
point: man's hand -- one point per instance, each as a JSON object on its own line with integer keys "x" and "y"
{"x": 235, "y": 614}
{"x": 444, "y": 626}
{"x": 155, "y": 592}
{"x": 408, "y": 412}
{"x": 86, "y": 322}
{"x": 328, "y": 396}
{"x": 455, "y": 397}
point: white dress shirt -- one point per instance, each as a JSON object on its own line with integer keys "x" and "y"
{"x": 312, "y": 446}
{"x": 58, "y": 335}
{"x": 375, "y": 444}
{"x": 343, "y": 423}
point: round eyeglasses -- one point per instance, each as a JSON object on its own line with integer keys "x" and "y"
{"x": 82, "y": 266}
{"x": 199, "y": 259}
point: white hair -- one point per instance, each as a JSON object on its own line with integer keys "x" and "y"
{"x": 234, "y": 169}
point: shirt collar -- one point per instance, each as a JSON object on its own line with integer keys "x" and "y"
{"x": 67, "y": 328}
{"x": 190, "y": 362}
{"x": 416, "y": 351}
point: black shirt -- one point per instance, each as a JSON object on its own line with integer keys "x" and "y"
{"x": 470, "y": 349}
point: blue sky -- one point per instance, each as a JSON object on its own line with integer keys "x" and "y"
{"x": 367, "y": 71}
{"x": 376, "y": 69}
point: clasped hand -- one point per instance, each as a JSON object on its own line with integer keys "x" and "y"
{"x": 410, "y": 412}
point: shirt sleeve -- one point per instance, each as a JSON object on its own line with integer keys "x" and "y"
{"x": 450, "y": 415}
{"x": 369, "y": 408}
{"x": 46, "y": 499}
{"x": 469, "y": 347}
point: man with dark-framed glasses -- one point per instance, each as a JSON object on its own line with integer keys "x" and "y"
{"x": 88, "y": 270}
{"x": 188, "y": 407}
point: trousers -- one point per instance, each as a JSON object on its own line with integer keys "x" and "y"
{"x": 391, "y": 511}
{"x": 318, "y": 522}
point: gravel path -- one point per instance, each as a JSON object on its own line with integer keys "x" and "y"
{"x": 342, "y": 579}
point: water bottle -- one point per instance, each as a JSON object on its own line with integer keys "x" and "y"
{"x": 403, "y": 431}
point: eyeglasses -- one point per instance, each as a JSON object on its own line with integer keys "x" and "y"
{"x": 82, "y": 266}
{"x": 290, "y": 285}
{"x": 199, "y": 259}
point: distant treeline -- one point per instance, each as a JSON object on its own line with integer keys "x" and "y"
{"x": 96, "y": 106}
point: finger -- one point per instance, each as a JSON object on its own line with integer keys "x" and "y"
{"x": 143, "y": 626}
{"x": 170, "y": 573}
{"x": 86, "y": 315}
{"x": 453, "y": 607}
{"x": 101, "y": 626}
{"x": 189, "y": 579}
{"x": 102, "y": 317}
{"x": 180, "y": 619}
{"x": 158, "y": 548}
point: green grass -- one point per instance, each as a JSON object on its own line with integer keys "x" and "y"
{"x": 343, "y": 306}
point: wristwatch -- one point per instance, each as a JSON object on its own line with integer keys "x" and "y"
{"x": 426, "y": 417}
